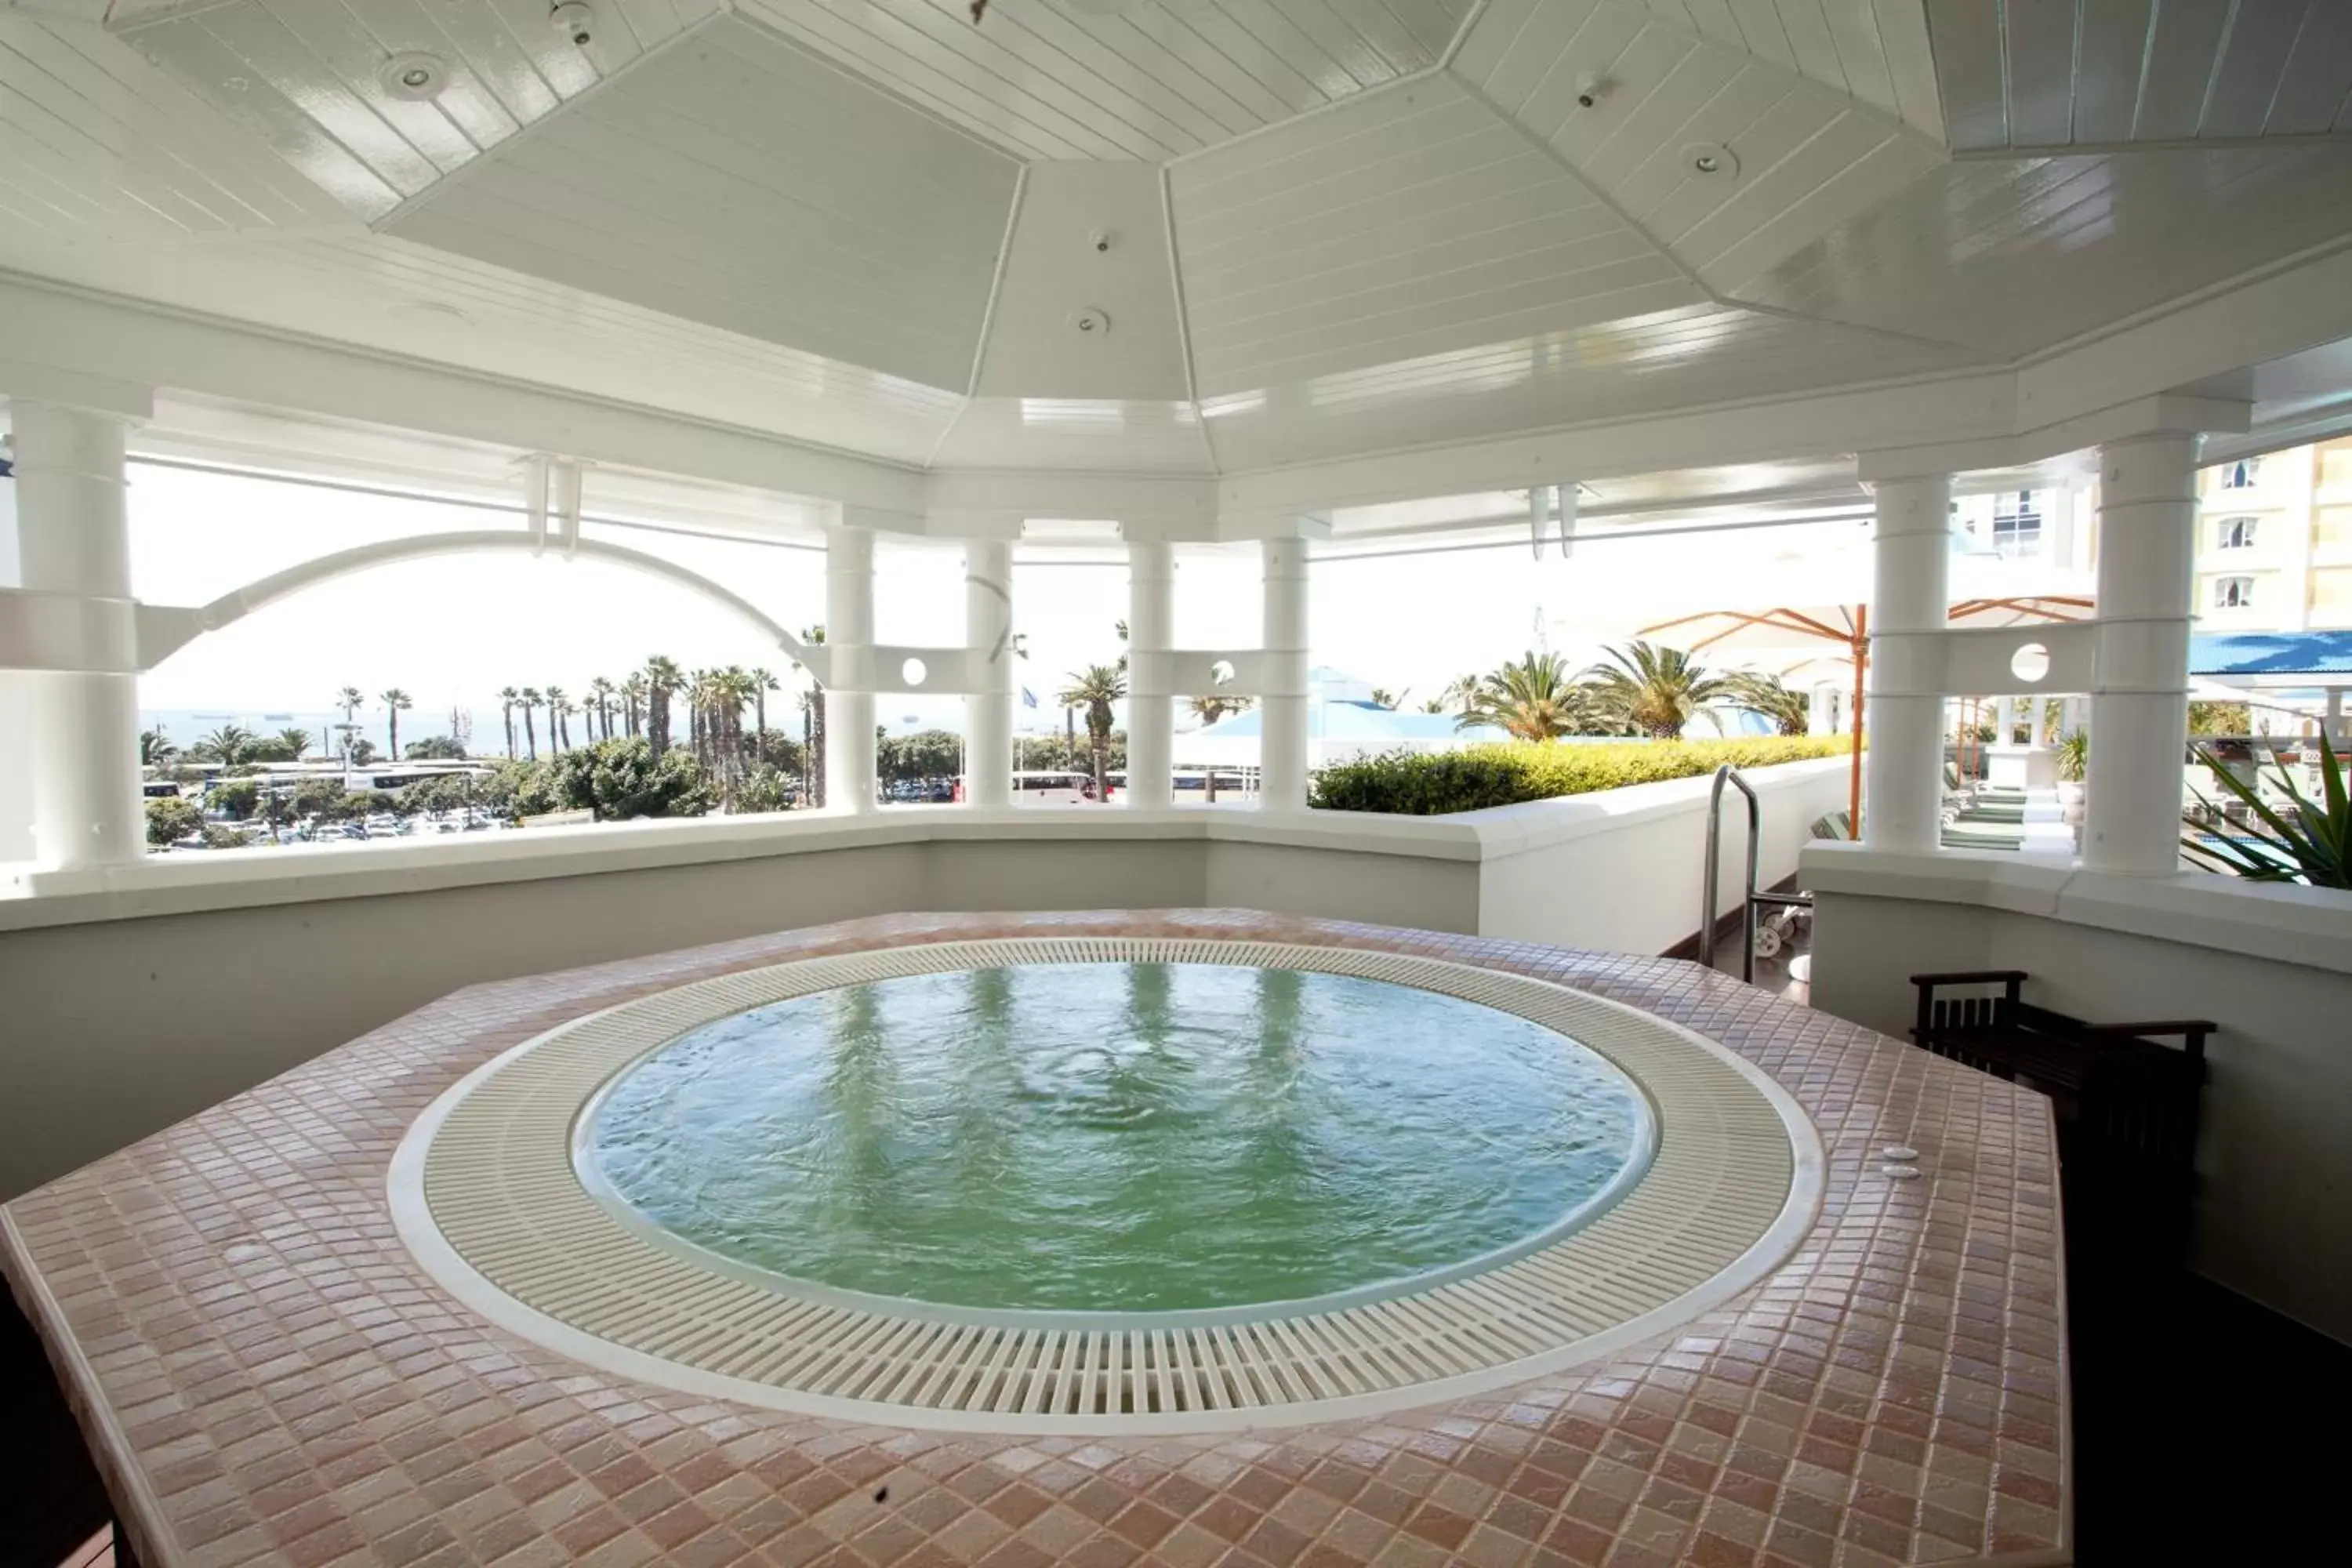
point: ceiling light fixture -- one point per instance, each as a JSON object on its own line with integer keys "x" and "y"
{"x": 415, "y": 78}
{"x": 1091, "y": 321}
{"x": 1711, "y": 159}
{"x": 575, "y": 21}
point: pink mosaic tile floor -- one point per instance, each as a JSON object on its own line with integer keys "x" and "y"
{"x": 268, "y": 1379}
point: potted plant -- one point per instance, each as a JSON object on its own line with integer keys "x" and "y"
{"x": 2073, "y": 762}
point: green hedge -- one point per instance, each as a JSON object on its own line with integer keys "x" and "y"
{"x": 1425, "y": 785}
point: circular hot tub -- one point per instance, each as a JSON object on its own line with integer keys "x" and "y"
{"x": 1098, "y": 1183}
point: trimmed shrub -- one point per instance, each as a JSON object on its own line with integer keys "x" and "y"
{"x": 1415, "y": 784}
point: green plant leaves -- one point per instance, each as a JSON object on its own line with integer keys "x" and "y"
{"x": 1413, "y": 784}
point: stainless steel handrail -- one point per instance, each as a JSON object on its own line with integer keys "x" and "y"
{"x": 1728, "y": 774}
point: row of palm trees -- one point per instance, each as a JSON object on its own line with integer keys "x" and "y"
{"x": 1638, "y": 690}
{"x": 641, "y": 704}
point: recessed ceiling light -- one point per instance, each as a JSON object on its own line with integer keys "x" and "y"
{"x": 1712, "y": 159}
{"x": 1091, "y": 322}
{"x": 415, "y": 77}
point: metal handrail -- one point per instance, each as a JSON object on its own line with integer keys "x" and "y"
{"x": 1728, "y": 774}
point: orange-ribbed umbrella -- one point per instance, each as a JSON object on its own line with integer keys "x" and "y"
{"x": 1846, "y": 628}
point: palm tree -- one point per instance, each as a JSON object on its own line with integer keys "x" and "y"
{"x": 508, "y": 697}
{"x": 295, "y": 741}
{"x": 762, "y": 682}
{"x": 156, "y": 747}
{"x": 1434, "y": 705}
{"x": 349, "y": 700}
{"x": 531, "y": 731}
{"x": 1756, "y": 692}
{"x": 1095, "y": 688}
{"x": 632, "y": 699}
{"x": 1533, "y": 700}
{"x": 662, "y": 678}
{"x": 1391, "y": 701}
{"x": 558, "y": 740}
{"x": 813, "y": 726}
{"x": 1212, "y": 707}
{"x": 1653, "y": 689}
{"x": 1459, "y": 693}
{"x": 600, "y": 694}
{"x": 228, "y": 745}
{"x": 394, "y": 700}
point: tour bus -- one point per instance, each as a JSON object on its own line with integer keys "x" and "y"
{"x": 1046, "y": 788}
{"x": 1191, "y": 787}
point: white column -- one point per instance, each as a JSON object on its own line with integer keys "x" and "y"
{"x": 73, "y": 540}
{"x": 1903, "y": 798}
{"x": 1282, "y": 759}
{"x": 849, "y": 632}
{"x": 988, "y": 632}
{"x": 2042, "y": 736}
{"x": 1150, "y": 697}
{"x": 2139, "y": 694}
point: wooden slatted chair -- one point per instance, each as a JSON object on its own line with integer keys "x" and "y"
{"x": 2127, "y": 1105}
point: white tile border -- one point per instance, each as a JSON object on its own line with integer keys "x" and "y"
{"x": 587, "y": 1286}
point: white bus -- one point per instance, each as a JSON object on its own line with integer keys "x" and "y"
{"x": 1043, "y": 788}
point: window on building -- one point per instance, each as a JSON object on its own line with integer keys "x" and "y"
{"x": 2016, "y": 526}
{"x": 2241, "y": 474}
{"x": 2233, "y": 593}
{"x": 2237, "y": 533}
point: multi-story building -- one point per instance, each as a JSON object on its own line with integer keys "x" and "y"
{"x": 2274, "y": 541}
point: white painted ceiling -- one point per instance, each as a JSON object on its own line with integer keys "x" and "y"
{"x": 1177, "y": 236}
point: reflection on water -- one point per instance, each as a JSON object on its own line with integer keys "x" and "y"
{"x": 1114, "y": 1137}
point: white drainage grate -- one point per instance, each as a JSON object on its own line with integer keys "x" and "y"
{"x": 485, "y": 1193}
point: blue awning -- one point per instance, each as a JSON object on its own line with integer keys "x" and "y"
{"x": 2224, "y": 653}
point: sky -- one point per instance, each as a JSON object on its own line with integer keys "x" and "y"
{"x": 452, "y": 631}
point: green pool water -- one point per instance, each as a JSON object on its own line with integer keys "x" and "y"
{"x": 1114, "y": 1137}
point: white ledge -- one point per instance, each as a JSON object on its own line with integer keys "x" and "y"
{"x": 2286, "y": 922}
{"x": 195, "y": 881}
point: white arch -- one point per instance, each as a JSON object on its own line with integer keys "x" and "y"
{"x": 240, "y": 602}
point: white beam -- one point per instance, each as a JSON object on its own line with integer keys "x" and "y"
{"x": 988, "y": 709}
{"x": 849, "y": 632}
{"x": 73, "y": 539}
{"x": 104, "y": 339}
{"x": 1912, "y": 565}
{"x": 2140, "y": 697}
{"x": 1150, "y": 700}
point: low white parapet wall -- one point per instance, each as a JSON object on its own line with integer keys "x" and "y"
{"x": 140, "y": 996}
{"x": 2270, "y": 964}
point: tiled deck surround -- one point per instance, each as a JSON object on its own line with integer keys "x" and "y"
{"x": 267, "y": 1378}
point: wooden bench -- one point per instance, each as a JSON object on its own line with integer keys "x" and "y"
{"x": 2126, "y": 1106}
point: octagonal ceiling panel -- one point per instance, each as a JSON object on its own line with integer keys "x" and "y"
{"x": 1801, "y": 157}
{"x": 2013, "y": 256}
{"x": 301, "y": 73}
{"x": 1876, "y": 50}
{"x": 737, "y": 180}
{"x": 96, "y": 142}
{"x": 1122, "y": 78}
{"x": 2054, "y": 73}
{"x": 1412, "y": 222}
